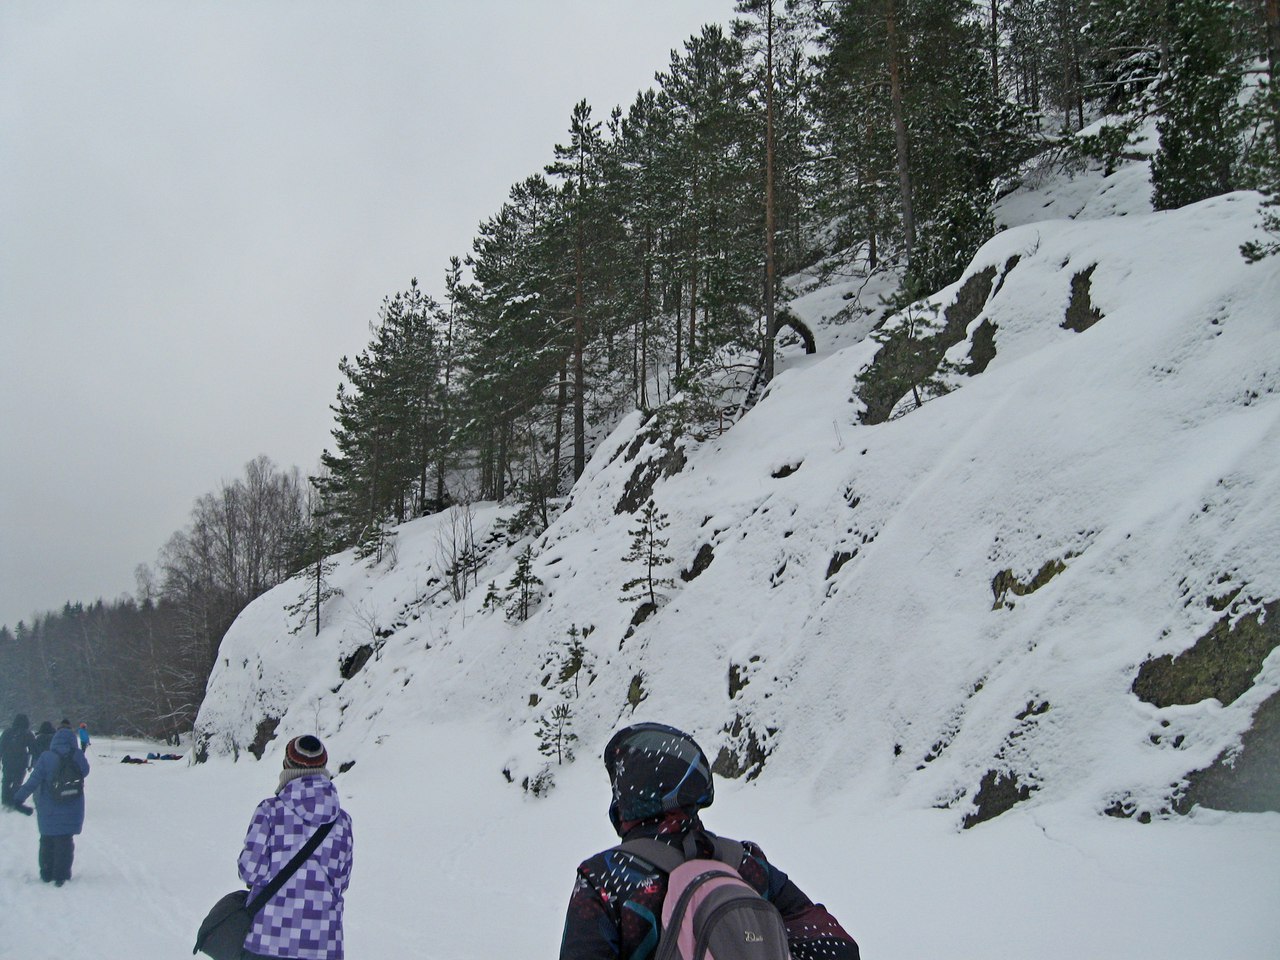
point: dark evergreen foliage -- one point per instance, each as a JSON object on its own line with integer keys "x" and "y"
{"x": 647, "y": 546}
{"x": 1200, "y": 121}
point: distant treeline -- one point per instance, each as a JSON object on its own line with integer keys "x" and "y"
{"x": 140, "y": 665}
{"x": 115, "y": 665}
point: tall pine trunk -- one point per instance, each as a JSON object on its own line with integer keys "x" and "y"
{"x": 693, "y": 267}
{"x": 579, "y": 391}
{"x": 646, "y": 309}
{"x": 900, "y": 129}
{"x": 1271, "y": 12}
{"x": 995, "y": 51}
{"x": 679, "y": 315}
{"x": 562, "y": 400}
{"x": 579, "y": 330}
{"x": 770, "y": 318}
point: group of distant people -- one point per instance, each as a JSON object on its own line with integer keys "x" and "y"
{"x": 50, "y": 766}
{"x": 618, "y": 910}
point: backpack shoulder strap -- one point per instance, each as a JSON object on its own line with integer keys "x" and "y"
{"x": 661, "y": 855}
{"x": 666, "y": 857}
{"x": 729, "y": 851}
{"x": 290, "y": 868}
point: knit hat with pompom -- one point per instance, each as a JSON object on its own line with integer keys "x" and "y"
{"x": 303, "y": 756}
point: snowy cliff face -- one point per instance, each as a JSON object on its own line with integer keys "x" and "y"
{"x": 996, "y": 597}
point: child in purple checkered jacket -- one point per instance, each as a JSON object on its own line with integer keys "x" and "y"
{"x": 303, "y": 921}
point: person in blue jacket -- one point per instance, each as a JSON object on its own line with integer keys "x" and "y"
{"x": 58, "y": 820}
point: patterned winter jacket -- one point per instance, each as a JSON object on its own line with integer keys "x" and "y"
{"x": 616, "y": 907}
{"x": 303, "y": 921}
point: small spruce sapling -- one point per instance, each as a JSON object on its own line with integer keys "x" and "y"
{"x": 646, "y": 549}
{"x": 575, "y": 658}
{"x": 523, "y": 587}
{"x": 555, "y": 734}
{"x": 312, "y": 599}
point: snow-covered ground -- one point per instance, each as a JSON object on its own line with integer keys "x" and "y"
{"x": 449, "y": 868}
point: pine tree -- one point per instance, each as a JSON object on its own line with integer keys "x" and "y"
{"x": 716, "y": 234}
{"x": 555, "y": 734}
{"x": 310, "y": 602}
{"x": 574, "y": 658}
{"x": 1266, "y": 163}
{"x": 578, "y": 166}
{"x": 905, "y": 83}
{"x": 766, "y": 25}
{"x": 1199, "y": 121}
{"x": 511, "y": 319}
{"x": 388, "y": 430}
{"x": 646, "y": 550}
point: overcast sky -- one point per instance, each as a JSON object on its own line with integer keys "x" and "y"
{"x": 202, "y": 204}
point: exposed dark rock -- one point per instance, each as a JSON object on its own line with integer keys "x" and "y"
{"x": 1246, "y": 780}
{"x": 1081, "y": 313}
{"x": 639, "y": 487}
{"x": 346, "y": 765}
{"x": 838, "y": 560}
{"x": 997, "y": 794}
{"x": 905, "y": 361}
{"x": 643, "y": 613}
{"x": 1004, "y": 274}
{"x": 1005, "y": 583}
{"x": 1123, "y": 808}
{"x": 1222, "y": 664}
{"x": 636, "y": 693}
{"x": 786, "y": 470}
{"x": 633, "y": 448}
{"x": 746, "y": 756}
{"x": 983, "y": 350}
{"x": 738, "y": 678}
{"x": 355, "y": 662}
{"x": 967, "y": 305}
{"x": 1218, "y": 604}
{"x": 1034, "y": 709}
{"x": 700, "y": 563}
{"x": 266, "y": 732}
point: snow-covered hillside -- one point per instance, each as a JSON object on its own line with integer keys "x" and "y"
{"x": 898, "y": 609}
{"x": 1004, "y": 598}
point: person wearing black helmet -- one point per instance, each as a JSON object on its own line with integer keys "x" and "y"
{"x": 661, "y": 780}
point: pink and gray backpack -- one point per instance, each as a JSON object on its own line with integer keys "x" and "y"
{"x": 710, "y": 912}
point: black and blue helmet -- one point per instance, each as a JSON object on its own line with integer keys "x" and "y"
{"x": 655, "y": 769}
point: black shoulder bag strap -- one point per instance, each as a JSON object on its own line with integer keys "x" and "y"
{"x": 290, "y": 868}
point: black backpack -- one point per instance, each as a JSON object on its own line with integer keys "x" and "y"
{"x": 68, "y": 781}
